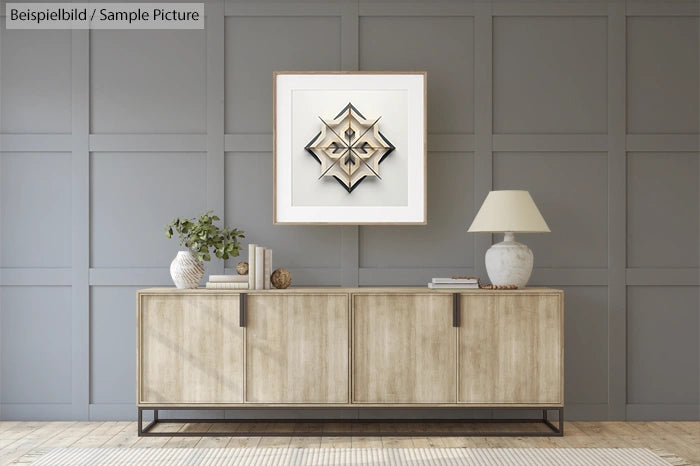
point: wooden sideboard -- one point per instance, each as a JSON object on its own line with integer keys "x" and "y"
{"x": 350, "y": 347}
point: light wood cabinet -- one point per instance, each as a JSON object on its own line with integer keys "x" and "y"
{"x": 190, "y": 349}
{"x": 297, "y": 348}
{"x": 511, "y": 349}
{"x": 350, "y": 347}
{"x": 403, "y": 349}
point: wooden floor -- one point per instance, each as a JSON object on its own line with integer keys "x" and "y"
{"x": 18, "y": 439}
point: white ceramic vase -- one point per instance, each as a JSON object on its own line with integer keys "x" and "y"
{"x": 186, "y": 270}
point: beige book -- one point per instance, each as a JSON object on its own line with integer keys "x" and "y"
{"x": 227, "y": 285}
{"x": 259, "y": 268}
{"x": 228, "y": 278}
{"x": 268, "y": 268}
{"x": 251, "y": 266}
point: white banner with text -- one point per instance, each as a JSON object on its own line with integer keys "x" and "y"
{"x": 104, "y": 16}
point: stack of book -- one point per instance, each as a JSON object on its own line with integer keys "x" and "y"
{"x": 259, "y": 271}
{"x": 447, "y": 283}
{"x": 238, "y": 282}
{"x": 259, "y": 267}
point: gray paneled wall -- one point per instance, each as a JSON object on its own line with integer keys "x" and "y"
{"x": 592, "y": 106}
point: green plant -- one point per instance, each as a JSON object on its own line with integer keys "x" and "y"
{"x": 199, "y": 234}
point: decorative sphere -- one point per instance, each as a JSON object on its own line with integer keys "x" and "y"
{"x": 281, "y": 279}
{"x": 242, "y": 268}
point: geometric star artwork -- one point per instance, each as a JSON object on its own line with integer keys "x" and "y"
{"x": 350, "y": 148}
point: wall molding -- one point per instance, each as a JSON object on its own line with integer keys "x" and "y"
{"x": 483, "y": 122}
{"x": 36, "y": 276}
{"x": 663, "y": 412}
{"x": 323, "y": 9}
{"x": 660, "y": 8}
{"x": 388, "y": 276}
{"x": 550, "y": 142}
{"x": 248, "y": 143}
{"x": 563, "y": 276}
{"x": 39, "y": 142}
{"x": 80, "y": 211}
{"x": 451, "y": 143}
{"x": 160, "y": 276}
{"x": 549, "y": 8}
{"x": 617, "y": 210}
{"x": 586, "y": 411}
{"x": 663, "y": 277}
{"x": 663, "y": 142}
{"x": 215, "y": 110}
{"x": 262, "y": 142}
{"x": 38, "y": 411}
{"x": 438, "y": 8}
{"x": 148, "y": 142}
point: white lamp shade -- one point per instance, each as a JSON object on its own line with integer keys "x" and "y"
{"x": 509, "y": 211}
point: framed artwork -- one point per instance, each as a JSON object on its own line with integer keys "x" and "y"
{"x": 349, "y": 148}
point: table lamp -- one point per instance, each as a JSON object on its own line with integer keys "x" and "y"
{"x": 509, "y": 212}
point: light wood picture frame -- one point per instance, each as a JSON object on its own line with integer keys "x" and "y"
{"x": 349, "y": 148}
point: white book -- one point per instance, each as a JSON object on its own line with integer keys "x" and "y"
{"x": 228, "y": 278}
{"x": 251, "y": 266}
{"x": 453, "y": 286}
{"x": 227, "y": 285}
{"x": 259, "y": 268}
{"x": 268, "y": 268}
{"x": 455, "y": 280}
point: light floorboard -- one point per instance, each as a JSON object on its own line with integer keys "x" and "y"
{"x": 19, "y": 439}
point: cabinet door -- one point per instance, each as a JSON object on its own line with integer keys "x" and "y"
{"x": 403, "y": 349}
{"x": 297, "y": 348}
{"x": 511, "y": 349}
{"x": 190, "y": 349}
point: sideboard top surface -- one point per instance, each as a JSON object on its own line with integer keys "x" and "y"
{"x": 361, "y": 290}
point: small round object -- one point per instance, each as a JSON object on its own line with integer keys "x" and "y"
{"x": 242, "y": 268}
{"x": 281, "y": 279}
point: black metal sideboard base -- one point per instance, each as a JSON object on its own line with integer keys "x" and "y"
{"x": 553, "y": 430}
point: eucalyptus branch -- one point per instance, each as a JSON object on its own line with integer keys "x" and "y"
{"x": 200, "y": 235}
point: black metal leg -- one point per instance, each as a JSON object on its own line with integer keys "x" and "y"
{"x": 144, "y": 431}
{"x": 557, "y": 431}
{"x": 554, "y": 431}
{"x": 561, "y": 421}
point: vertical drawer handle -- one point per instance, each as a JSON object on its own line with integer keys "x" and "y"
{"x": 243, "y": 309}
{"x": 455, "y": 310}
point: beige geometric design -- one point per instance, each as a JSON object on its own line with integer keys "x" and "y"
{"x": 349, "y": 148}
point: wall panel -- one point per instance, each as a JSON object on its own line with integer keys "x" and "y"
{"x": 133, "y": 196}
{"x": 586, "y": 345}
{"x": 550, "y": 74}
{"x": 662, "y": 74}
{"x": 663, "y": 329}
{"x": 442, "y": 46}
{"x": 662, "y": 209}
{"x": 35, "y": 348}
{"x": 257, "y": 46}
{"x": 35, "y": 87}
{"x": 147, "y": 81}
{"x": 570, "y": 189}
{"x": 35, "y": 207}
{"x": 112, "y": 345}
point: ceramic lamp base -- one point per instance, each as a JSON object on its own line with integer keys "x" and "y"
{"x": 509, "y": 262}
